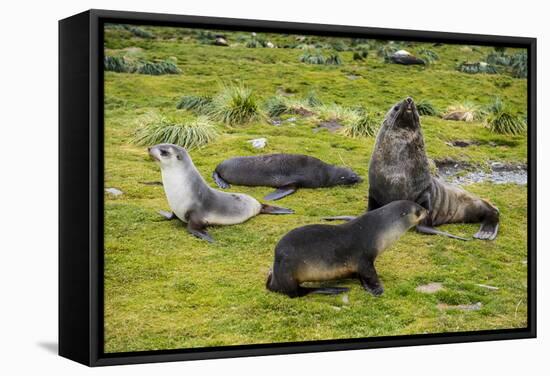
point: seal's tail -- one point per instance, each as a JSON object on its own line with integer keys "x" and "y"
{"x": 268, "y": 209}
{"x": 340, "y": 218}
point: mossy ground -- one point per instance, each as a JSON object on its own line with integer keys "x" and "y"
{"x": 165, "y": 289}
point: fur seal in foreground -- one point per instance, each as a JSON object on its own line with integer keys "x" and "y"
{"x": 286, "y": 172}
{"x": 194, "y": 202}
{"x": 399, "y": 170}
{"x": 327, "y": 252}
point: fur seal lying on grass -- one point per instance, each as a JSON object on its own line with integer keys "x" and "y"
{"x": 399, "y": 170}
{"x": 194, "y": 202}
{"x": 286, "y": 172}
{"x": 326, "y": 252}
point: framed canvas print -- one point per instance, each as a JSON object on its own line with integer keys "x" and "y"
{"x": 238, "y": 187}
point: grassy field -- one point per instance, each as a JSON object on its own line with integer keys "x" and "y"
{"x": 165, "y": 289}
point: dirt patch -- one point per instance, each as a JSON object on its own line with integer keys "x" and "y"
{"x": 332, "y": 126}
{"x": 430, "y": 288}
{"x": 462, "y": 143}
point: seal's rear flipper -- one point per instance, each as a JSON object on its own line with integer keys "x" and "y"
{"x": 487, "y": 231}
{"x": 219, "y": 181}
{"x": 280, "y": 193}
{"x": 340, "y": 218}
{"x": 198, "y": 230}
{"x": 168, "y": 215}
{"x": 432, "y": 231}
{"x": 268, "y": 209}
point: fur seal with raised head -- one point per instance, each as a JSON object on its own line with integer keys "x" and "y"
{"x": 286, "y": 172}
{"x": 316, "y": 253}
{"x": 194, "y": 202}
{"x": 399, "y": 170}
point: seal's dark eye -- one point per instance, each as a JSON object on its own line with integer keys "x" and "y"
{"x": 396, "y": 108}
{"x": 163, "y": 152}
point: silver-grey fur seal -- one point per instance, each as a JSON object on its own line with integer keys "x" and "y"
{"x": 325, "y": 252}
{"x": 286, "y": 172}
{"x": 399, "y": 170}
{"x": 194, "y": 202}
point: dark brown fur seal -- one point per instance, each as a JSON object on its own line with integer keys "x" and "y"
{"x": 399, "y": 171}
{"x": 286, "y": 172}
{"x": 325, "y": 252}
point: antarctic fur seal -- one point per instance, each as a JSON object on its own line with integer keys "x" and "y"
{"x": 194, "y": 202}
{"x": 286, "y": 172}
{"x": 399, "y": 170}
{"x": 325, "y": 252}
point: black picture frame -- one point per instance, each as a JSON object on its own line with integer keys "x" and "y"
{"x": 81, "y": 187}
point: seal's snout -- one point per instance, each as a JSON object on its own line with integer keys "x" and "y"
{"x": 409, "y": 100}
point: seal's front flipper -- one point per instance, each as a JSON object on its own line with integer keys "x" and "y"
{"x": 168, "y": 215}
{"x": 198, "y": 230}
{"x": 268, "y": 209}
{"x": 219, "y": 181}
{"x": 432, "y": 231}
{"x": 487, "y": 231}
{"x": 280, "y": 193}
{"x": 340, "y": 218}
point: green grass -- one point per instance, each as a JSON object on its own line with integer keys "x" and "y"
{"x": 165, "y": 289}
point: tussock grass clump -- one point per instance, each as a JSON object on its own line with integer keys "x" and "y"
{"x": 158, "y": 68}
{"x": 139, "y": 32}
{"x": 313, "y": 57}
{"x": 316, "y": 57}
{"x": 196, "y": 103}
{"x": 519, "y": 66}
{"x": 189, "y": 133}
{"x": 428, "y": 56}
{"x": 426, "y": 108}
{"x": 279, "y": 105}
{"x": 116, "y": 64}
{"x": 333, "y": 59}
{"x": 477, "y": 67}
{"x": 502, "y": 121}
{"x": 465, "y": 111}
{"x": 235, "y": 104}
{"x": 335, "y": 112}
{"x": 361, "y": 54}
{"x": 364, "y": 125}
{"x": 313, "y": 100}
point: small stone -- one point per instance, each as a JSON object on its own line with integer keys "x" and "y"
{"x": 270, "y": 45}
{"x": 336, "y": 308}
{"x": 291, "y": 120}
{"x": 258, "y": 143}
{"x": 345, "y": 299}
{"x": 430, "y": 288}
{"x": 114, "y": 191}
{"x": 353, "y": 77}
{"x": 276, "y": 122}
